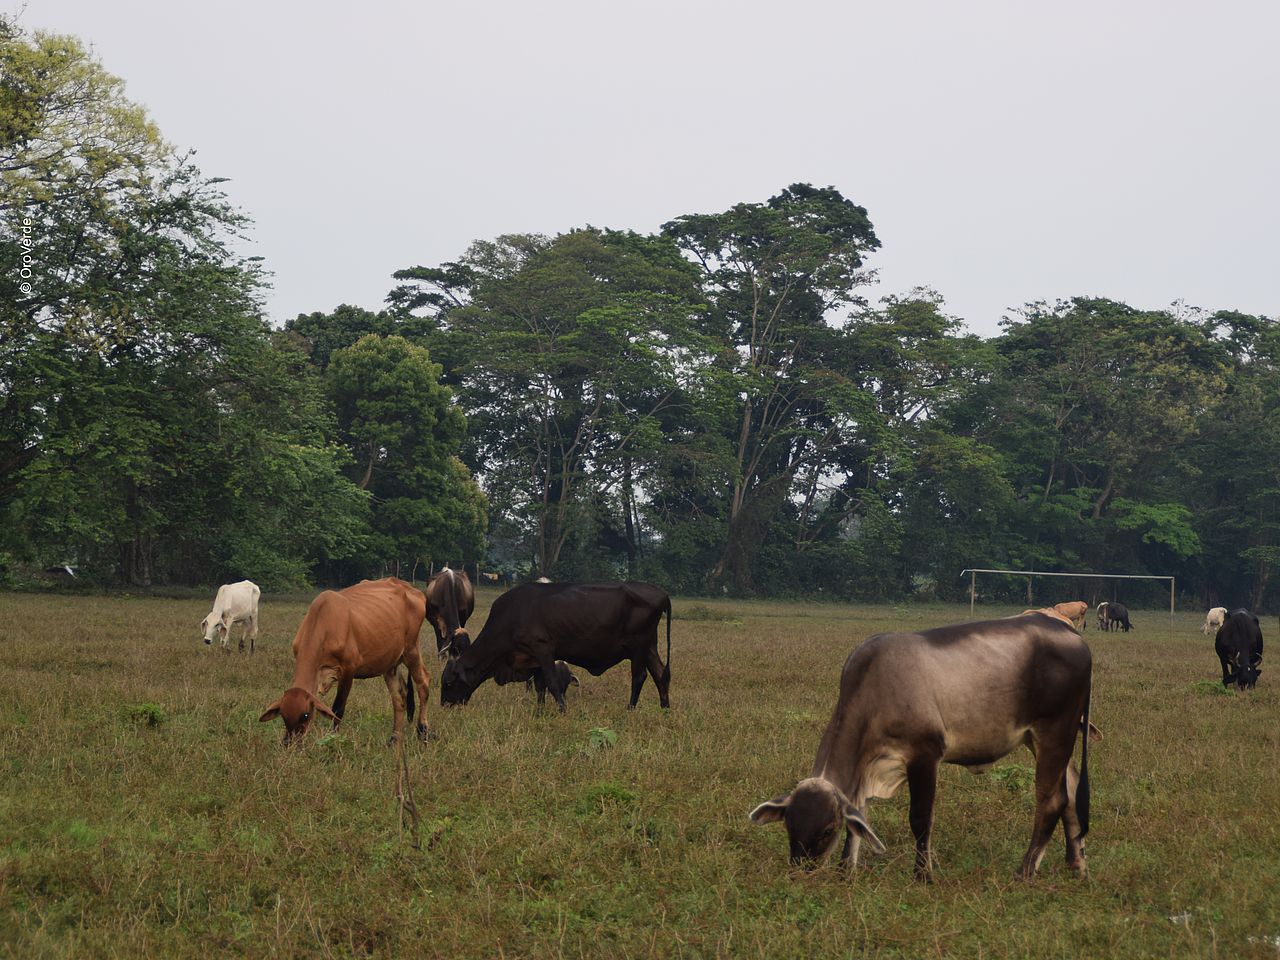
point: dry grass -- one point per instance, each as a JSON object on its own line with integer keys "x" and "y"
{"x": 145, "y": 812}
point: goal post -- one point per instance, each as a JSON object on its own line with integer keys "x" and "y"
{"x": 1029, "y": 574}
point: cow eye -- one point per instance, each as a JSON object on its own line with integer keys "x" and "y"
{"x": 305, "y": 715}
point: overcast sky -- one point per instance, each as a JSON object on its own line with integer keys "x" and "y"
{"x": 1006, "y": 152}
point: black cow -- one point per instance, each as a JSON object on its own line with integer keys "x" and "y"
{"x": 1118, "y": 616}
{"x": 1239, "y": 647}
{"x": 564, "y": 676}
{"x": 965, "y": 694}
{"x": 591, "y": 625}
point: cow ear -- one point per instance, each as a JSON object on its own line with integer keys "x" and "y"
{"x": 771, "y": 810}
{"x": 270, "y": 713}
{"x": 853, "y": 820}
{"x": 322, "y": 707}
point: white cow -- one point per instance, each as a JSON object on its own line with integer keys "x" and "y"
{"x": 235, "y": 603}
{"x": 1213, "y": 620}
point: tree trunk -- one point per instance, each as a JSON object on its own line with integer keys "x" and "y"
{"x": 627, "y": 508}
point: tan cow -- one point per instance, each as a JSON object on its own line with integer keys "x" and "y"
{"x": 364, "y": 631}
{"x": 1077, "y": 611}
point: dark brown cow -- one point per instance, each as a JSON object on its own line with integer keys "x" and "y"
{"x": 966, "y": 694}
{"x": 591, "y": 625}
{"x": 364, "y": 631}
{"x": 450, "y": 601}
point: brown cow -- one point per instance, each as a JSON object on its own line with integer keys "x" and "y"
{"x": 965, "y": 694}
{"x": 364, "y": 631}
{"x": 1077, "y": 611}
{"x": 450, "y": 601}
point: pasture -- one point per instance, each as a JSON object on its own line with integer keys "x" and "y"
{"x": 144, "y": 810}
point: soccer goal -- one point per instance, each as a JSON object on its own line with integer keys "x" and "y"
{"x": 1031, "y": 574}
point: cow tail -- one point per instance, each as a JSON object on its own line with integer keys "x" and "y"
{"x": 666, "y": 671}
{"x": 449, "y": 605}
{"x": 1082, "y": 788}
{"x": 409, "y": 700}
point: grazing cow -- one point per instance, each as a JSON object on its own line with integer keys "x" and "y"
{"x": 1213, "y": 620}
{"x": 1077, "y": 611}
{"x": 564, "y": 676}
{"x": 234, "y": 603}
{"x": 1239, "y": 648}
{"x": 450, "y": 601}
{"x": 965, "y": 694}
{"x": 1103, "y": 622}
{"x": 364, "y": 631}
{"x": 1118, "y": 616}
{"x": 590, "y": 625}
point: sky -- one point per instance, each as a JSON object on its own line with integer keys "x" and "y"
{"x": 1006, "y": 152}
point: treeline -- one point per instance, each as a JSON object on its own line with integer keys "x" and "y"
{"x": 717, "y": 407}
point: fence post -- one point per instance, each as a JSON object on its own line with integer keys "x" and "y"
{"x": 1173, "y": 582}
{"x": 973, "y": 591}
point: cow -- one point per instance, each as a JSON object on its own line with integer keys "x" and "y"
{"x": 450, "y": 601}
{"x": 1103, "y": 622}
{"x": 564, "y": 677}
{"x": 234, "y": 603}
{"x": 1118, "y": 616}
{"x": 590, "y": 625}
{"x": 1077, "y": 611}
{"x": 966, "y": 694}
{"x": 1213, "y": 620}
{"x": 1239, "y": 647}
{"x": 364, "y": 631}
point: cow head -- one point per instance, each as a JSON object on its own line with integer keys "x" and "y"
{"x": 815, "y": 813}
{"x": 455, "y": 685}
{"x": 1245, "y": 670}
{"x": 460, "y": 643}
{"x": 211, "y": 627}
{"x": 296, "y": 707}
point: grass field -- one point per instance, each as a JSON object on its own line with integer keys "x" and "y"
{"x": 145, "y": 812}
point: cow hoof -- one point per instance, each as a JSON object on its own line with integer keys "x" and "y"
{"x": 425, "y": 735}
{"x": 391, "y": 740}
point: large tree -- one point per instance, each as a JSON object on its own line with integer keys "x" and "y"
{"x": 774, "y": 274}
{"x": 568, "y": 351}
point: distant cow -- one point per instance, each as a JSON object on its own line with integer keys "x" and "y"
{"x": 1213, "y": 620}
{"x": 450, "y": 602}
{"x": 591, "y": 625}
{"x": 234, "y": 603}
{"x": 1103, "y": 622}
{"x": 564, "y": 676}
{"x": 1077, "y": 611}
{"x": 364, "y": 631}
{"x": 966, "y": 694}
{"x": 1118, "y": 616}
{"x": 1239, "y": 648}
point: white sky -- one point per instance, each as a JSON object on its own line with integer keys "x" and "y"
{"x": 1006, "y": 151}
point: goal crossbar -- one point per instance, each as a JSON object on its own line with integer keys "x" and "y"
{"x": 974, "y": 571}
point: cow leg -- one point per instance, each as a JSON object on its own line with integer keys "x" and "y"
{"x": 661, "y": 679}
{"x": 1071, "y": 824}
{"x": 1053, "y": 753}
{"x": 252, "y": 631}
{"x": 244, "y": 630}
{"x": 922, "y": 782}
{"x": 541, "y": 686}
{"x": 550, "y": 678}
{"x": 392, "y": 678}
{"x": 638, "y": 670}
{"x": 419, "y": 677}
{"x": 340, "y": 699}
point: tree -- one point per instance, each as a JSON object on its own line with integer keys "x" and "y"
{"x": 567, "y": 352}
{"x": 773, "y": 272}
{"x": 404, "y": 434}
{"x": 148, "y": 416}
